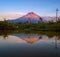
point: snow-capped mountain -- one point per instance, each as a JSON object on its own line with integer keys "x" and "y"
{"x": 30, "y": 17}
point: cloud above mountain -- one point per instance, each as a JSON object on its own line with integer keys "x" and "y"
{"x": 10, "y": 15}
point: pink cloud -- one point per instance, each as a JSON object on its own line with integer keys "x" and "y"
{"x": 11, "y": 15}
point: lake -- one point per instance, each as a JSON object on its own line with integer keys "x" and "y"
{"x": 29, "y": 45}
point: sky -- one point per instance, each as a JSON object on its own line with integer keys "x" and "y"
{"x": 17, "y": 8}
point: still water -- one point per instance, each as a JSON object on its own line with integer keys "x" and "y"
{"x": 29, "y": 45}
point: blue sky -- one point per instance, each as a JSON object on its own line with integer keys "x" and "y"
{"x": 41, "y": 7}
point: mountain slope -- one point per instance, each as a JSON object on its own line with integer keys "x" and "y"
{"x": 30, "y": 17}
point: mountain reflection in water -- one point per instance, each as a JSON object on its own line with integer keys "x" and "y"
{"x": 29, "y": 45}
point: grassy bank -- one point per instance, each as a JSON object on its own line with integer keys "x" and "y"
{"x": 40, "y": 27}
{"x": 51, "y": 26}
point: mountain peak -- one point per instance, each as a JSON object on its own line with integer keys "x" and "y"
{"x": 32, "y": 15}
